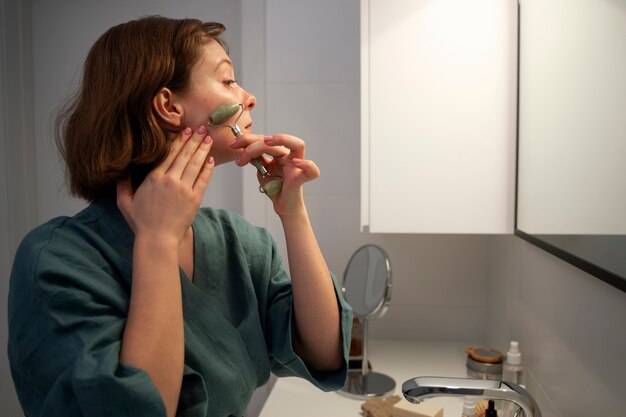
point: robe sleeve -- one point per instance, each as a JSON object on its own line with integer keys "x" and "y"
{"x": 279, "y": 328}
{"x": 67, "y": 311}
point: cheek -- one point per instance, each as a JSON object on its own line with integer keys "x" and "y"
{"x": 222, "y": 136}
{"x": 194, "y": 118}
{"x": 221, "y": 150}
{"x": 196, "y": 111}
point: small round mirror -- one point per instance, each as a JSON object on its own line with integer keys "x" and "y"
{"x": 367, "y": 282}
{"x": 367, "y": 288}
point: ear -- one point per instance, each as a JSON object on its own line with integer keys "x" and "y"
{"x": 168, "y": 110}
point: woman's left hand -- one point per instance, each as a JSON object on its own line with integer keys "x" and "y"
{"x": 287, "y": 161}
{"x": 318, "y": 339}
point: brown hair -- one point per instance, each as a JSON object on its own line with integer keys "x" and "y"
{"x": 108, "y": 130}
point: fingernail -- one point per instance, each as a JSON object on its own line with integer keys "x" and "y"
{"x": 237, "y": 161}
{"x": 268, "y": 138}
{"x": 187, "y": 131}
{"x": 207, "y": 139}
{"x": 201, "y": 129}
{"x": 210, "y": 160}
{"x": 233, "y": 142}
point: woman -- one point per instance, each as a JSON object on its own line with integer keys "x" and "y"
{"x": 144, "y": 304}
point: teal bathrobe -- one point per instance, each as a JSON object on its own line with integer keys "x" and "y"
{"x": 69, "y": 299}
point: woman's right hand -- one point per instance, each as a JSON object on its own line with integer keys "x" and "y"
{"x": 166, "y": 203}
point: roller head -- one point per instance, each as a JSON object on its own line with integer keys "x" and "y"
{"x": 273, "y": 187}
{"x": 223, "y": 113}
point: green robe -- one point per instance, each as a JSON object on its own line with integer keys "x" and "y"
{"x": 69, "y": 299}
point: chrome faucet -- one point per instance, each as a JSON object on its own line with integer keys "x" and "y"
{"x": 417, "y": 389}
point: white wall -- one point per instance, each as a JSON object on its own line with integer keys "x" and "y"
{"x": 8, "y": 398}
{"x": 17, "y": 168}
{"x": 63, "y": 32}
{"x": 571, "y": 327}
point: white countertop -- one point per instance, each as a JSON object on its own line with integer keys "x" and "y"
{"x": 399, "y": 359}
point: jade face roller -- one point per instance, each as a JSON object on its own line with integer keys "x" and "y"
{"x": 219, "y": 117}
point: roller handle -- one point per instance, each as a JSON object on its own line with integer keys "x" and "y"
{"x": 259, "y": 166}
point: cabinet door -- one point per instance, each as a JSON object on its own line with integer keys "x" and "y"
{"x": 438, "y": 115}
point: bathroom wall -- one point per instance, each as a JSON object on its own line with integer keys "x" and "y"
{"x": 17, "y": 212}
{"x": 7, "y": 393}
{"x": 8, "y": 398}
{"x": 63, "y": 32}
{"x": 311, "y": 89}
{"x": 571, "y": 327}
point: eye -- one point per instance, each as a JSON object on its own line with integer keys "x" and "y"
{"x": 229, "y": 82}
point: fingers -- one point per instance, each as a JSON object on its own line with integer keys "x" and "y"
{"x": 254, "y": 146}
{"x": 175, "y": 148}
{"x": 205, "y": 175}
{"x": 190, "y": 159}
{"x": 293, "y": 143}
{"x": 286, "y": 151}
{"x": 308, "y": 169}
{"x": 198, "y": 162}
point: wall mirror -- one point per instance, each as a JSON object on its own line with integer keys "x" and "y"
{"x": 571, "y": 179}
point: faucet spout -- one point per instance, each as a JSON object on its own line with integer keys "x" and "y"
{"x": 418, "y": 389}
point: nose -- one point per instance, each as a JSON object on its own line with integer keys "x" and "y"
{"x": 249, "y": 101}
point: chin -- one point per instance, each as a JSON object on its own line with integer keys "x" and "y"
{"x": 225, "y": 157}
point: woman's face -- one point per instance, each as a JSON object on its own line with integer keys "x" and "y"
{"x": 212, "y": 84}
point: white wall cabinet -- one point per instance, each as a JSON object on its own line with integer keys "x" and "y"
{"x": 438, "y": 115}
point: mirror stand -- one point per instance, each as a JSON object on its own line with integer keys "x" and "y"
{"x": 365, "y": 383}
{"x": 367, "y": 288}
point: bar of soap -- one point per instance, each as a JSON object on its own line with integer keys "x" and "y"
{"x": 424, "y": 409}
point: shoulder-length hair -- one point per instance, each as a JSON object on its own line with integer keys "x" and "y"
{"x": 108, "y": 130}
